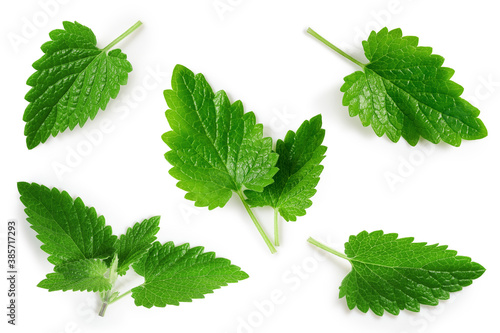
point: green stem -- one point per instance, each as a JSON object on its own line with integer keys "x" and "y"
{"x": 105, "y": 302}
{"x": 122, "y": 36}
{"x": 333, "y": 47}
{"x": 328, "y": 249}
{"x": 256, "y": 222}
{"x": 104, "y": 306}
{"x": 106, "y": 297}
{"x": 120, "y": 296}
{"x": 276, "y": 228}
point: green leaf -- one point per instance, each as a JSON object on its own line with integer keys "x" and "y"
{"x": 405, "y": 91}
{"x": 393, "y": 274}
{"x": 81, "y": 275}
{"x": 68, "y": 229}
{"x": 73, "y": 80}
{"x": 176, "y": 274}
{"x": 132, "y": 245}
{"x": 216, "y": 148}
{"x": 300, "y": 155}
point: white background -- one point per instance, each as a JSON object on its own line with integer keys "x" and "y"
{"x": 258, "y": 52}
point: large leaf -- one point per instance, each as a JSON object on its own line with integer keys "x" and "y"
{"x": 405, "y": 91}
{"x": 392, "y": 274}
{"x": 216, "y": 148}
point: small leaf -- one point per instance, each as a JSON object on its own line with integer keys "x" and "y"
{"x": 176, "y": 274}
{"x": 132, "y": 245}
{"x": 68, "y": 229}
{"x": 73, "y": 80}
{"x": 392, "y": 274}
{"x": 87, "y": 257}
{"x": 300, "y": 155}
{"x": 81, "y": 275}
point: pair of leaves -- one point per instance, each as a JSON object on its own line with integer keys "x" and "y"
{"x": 405, "y": 92}
{"x": 218, "y": 149}
{"x": 392, "y": 274}
{"x": 73, "y": 80}
{"x": 82, "y": 248}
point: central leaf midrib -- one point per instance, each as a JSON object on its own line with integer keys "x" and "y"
{"x": 155, "y": 278}
{"x": 206, "y": 131}
{"x": 96, "y": 56}
{"x": 392, "y": 267}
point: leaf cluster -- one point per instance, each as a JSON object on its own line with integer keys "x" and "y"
{"x": 217, "y": 149}
{"x": 88, "y": 257}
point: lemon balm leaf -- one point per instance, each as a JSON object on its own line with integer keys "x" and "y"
{"x": 404, "y": 91}
{"x": 392, "y": 274}
{"x": 74, "y": 79}
{"x": 175, "y": 274}
{"x": 69, "y": 230}
{"x": 216, "y": 149}
{"x": 299, "y": 164}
